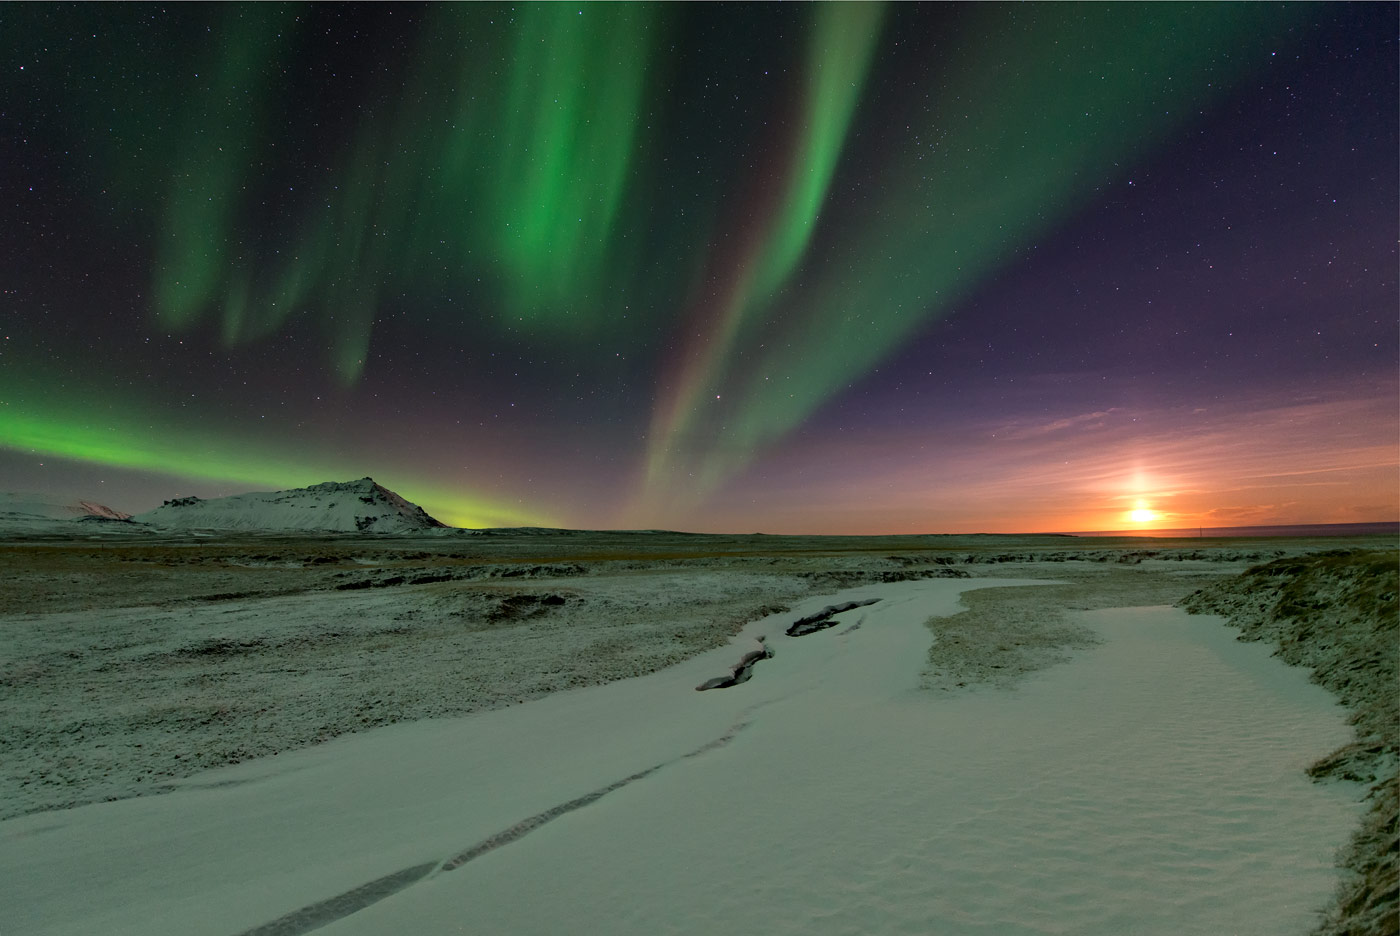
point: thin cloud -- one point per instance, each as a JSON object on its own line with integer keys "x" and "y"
{"x": 1095, "y": 420}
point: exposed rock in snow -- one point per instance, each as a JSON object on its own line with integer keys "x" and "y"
{"x": 344, "y": 506}
{"x": 90, "y": 509}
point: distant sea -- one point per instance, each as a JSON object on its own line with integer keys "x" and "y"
{"x": 1304, "y": 529}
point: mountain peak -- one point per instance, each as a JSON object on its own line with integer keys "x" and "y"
{"x": 337, "y": 506}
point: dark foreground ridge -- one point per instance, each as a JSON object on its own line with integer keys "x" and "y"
{"x": 1337, "y": 612}
{"x": 341, "y": 905}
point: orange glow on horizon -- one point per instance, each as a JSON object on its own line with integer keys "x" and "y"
{"x": 1240, "y": 467}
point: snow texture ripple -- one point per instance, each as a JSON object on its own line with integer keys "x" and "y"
{"x": 323, "y": 912}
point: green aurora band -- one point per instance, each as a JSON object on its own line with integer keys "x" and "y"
{"x": 516, "y": 174}
{"x": 512, "y": 160}
{"x": 48, "y": 426}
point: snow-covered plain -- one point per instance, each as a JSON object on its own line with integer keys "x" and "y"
{"x": 1154, "y": 784}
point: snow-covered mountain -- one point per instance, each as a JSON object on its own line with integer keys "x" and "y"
{"x": 38, "y": 510}
{"x": 344, "y": 506}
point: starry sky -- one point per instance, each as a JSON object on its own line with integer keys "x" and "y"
{"x": 803, "y": 268}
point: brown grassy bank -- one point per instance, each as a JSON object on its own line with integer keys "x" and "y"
{"x": 1336, "y": 612}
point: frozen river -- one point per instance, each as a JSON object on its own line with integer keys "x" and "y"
{"x": 1154, "y": 784}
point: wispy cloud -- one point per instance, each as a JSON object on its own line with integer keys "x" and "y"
{"x": 1245, "y": 461}
{"x": 1083, "y": 421}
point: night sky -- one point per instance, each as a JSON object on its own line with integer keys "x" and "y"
{"x": 786, "y": 268}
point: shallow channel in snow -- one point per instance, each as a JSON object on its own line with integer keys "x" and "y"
{"x": 1154, "y": 784}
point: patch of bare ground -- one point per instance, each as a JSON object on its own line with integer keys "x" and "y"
{"x": 1337, "y": 613}
{"x": 1008, "y": 633}
{"x": 100, "y": 706}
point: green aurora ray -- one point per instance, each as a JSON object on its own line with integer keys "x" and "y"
{"x": 503, "y": 154}
{"x": 515, "y": 173}
{"x": 842, "y": 40}
{"x": 1026, "y": 124}
{"x": 517, "y": 162}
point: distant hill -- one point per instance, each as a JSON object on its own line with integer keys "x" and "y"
{"x": 348, "y": 507}
{"x": 24, "y": 511}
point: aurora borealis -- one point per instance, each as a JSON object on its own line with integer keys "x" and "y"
{"x": 800, "y": 268}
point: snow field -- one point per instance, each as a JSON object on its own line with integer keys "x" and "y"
{"x": 1153, "y": 784}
